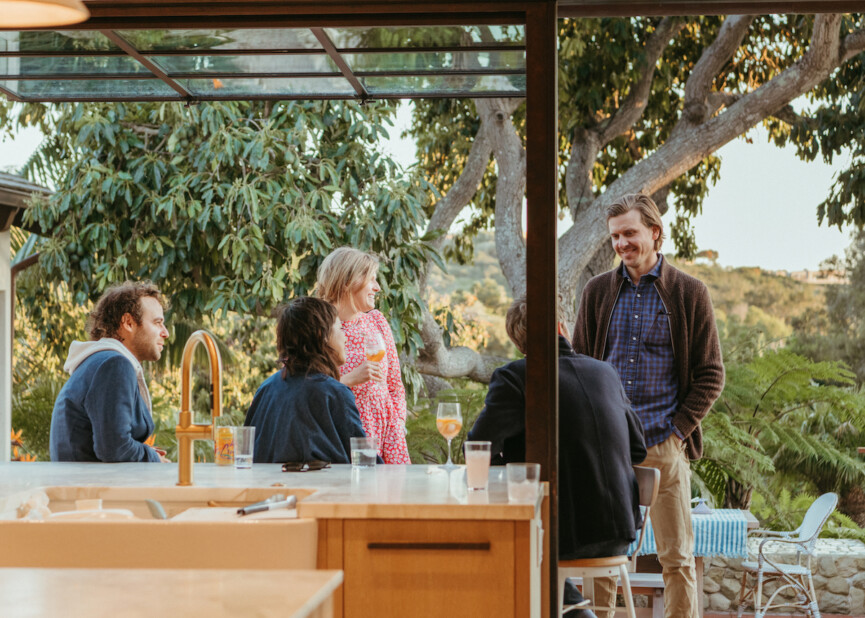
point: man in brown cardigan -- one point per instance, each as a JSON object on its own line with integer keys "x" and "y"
{"x": 656, "y": 326}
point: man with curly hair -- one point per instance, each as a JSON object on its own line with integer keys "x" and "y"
{"x": 103, "y": 413}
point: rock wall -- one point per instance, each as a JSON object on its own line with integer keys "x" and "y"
{"x": 838, "y": 569}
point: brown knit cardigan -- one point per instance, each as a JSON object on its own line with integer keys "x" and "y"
{"x": 696, "y": 349}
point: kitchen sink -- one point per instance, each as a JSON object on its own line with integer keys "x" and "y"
{"x": 203, "y": 529}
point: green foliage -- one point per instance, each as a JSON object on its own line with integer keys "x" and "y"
{"x": 736, "y": 292}
{"x": 229, "y": 207}
{"x": 780, "y": 416}
{"x": 32, "y": 403}
{"x": 831, "y": 127}
{"x": 839, "y": 331}
{"x": 786, "y": 510}
{"x": 426, "y": 445}
{"x": 600, "y": 62}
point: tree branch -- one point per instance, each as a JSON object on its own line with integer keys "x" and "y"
{"x": 579, "y": 186}
{"x": 711, "y": 61}
{"x": 635, "y": 103}
{"x": 788, "y": 115}
{"x": 436, "y": 358}
{"x": 853, "y": 44}
{"x": 587, "y": 143}
{"x": 692, "y": 143}
{"x": 510, "y": 190}
{"x": 460, "y": 194}
{"x": 717, "y": 100}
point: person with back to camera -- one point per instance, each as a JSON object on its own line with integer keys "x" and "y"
{"x": 600, "y": 440}
{"x": 302, "y": 413}
{"x": 347, "y": 279}
{"x": 103, "y": 412}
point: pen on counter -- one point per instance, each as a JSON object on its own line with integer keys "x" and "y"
{"x": 268, "y": 505}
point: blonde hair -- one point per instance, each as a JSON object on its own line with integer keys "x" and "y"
{"x": 516, "y": 319}
{"x": 650, "y": 214}
{"x": 342, "y": 273}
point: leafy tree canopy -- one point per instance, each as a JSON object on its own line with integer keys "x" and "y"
{"x": 228, "y": 206}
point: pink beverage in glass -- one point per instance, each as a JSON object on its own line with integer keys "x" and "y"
{"x": 477, "y": 465}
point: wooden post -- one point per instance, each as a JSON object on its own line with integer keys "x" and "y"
{"x": 542, "y": 388}
{"x": 5, "y": 345}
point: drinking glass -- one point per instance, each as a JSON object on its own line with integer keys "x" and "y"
{"x": 244, "y": 447}
{"x": 523, "y": 481}
{"x": 363, "y": 452}
{"x": 373, "y": 347}
{"x": 449, "y": 422}
{"x": 477, "y": 465}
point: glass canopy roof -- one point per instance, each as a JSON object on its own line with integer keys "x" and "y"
{"x": 259, "y": 63}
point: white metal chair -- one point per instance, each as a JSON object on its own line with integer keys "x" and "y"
{"x": 795, "y": 577}
{"x": 648, "y": 480}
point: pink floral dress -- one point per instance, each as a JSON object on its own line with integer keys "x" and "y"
{"x": 381, "y": 405}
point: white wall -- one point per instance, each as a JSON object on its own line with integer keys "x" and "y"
{"x": 5, "y": 345}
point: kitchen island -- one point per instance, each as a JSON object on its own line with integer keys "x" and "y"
{"x": 410, "y": 540}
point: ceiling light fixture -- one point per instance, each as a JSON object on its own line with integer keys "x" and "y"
{"x": 41, "y": 13}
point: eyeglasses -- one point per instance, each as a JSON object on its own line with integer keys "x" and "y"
{"x": 305, "y": 466}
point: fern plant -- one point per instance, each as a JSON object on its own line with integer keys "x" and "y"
{"x": 779, "y": 414}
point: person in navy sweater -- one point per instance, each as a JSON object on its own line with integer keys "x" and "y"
{"x": 103, "y": 413}
{"x": 302, "y": 412}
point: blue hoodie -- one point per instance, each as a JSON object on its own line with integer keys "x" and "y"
{"x": 101, "y": 413}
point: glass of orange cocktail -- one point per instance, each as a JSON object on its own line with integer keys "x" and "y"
{"x": 449, "y": 422}
{"x": 373, "y": 347}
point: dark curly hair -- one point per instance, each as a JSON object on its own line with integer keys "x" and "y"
{"x": 303, "y": 337}
{"x": 117, "y": 301}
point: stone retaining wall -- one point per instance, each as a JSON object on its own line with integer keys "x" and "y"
{"x": 838, "y": 568}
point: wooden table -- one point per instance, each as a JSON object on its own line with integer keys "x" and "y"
{"x": 145, "y": 593}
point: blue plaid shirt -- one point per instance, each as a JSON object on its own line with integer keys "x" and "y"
{"x": 640, "y": 348}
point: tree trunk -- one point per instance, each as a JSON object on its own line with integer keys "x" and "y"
{"x": 737, "y": 495}
{"x": 852, "y": 504}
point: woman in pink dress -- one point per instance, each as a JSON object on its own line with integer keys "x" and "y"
{"x": 347, "y": 279}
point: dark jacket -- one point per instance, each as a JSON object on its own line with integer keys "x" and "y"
{"x": 100, "y": 415}
{"x": 600, "y": 439}
{"x": 303, "y": 418}
{"x": 697, "y": 351}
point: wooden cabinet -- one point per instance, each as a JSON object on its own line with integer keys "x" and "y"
{"x": 431, "y": 568}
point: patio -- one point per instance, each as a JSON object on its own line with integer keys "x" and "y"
{"x": 328, "y": 60}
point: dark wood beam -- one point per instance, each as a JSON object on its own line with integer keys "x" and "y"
{"x": 340, "y": 62}
{"x": 696, "y": 7}
{"x": 542, "y": 379}
{"x": 9, "y": 94}
{"x": 150, "y": 66}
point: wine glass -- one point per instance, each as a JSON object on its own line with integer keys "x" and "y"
{"x": 449, "y": 422}
{"x": 373, "y": 346}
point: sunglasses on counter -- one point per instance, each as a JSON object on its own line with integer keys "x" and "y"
{"x": 305, "y": 466}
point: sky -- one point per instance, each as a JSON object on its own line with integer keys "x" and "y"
{"x": 762, "y": 212}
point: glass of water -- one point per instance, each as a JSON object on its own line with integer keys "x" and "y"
{"x": 363, "y": 452}
{"x": 244, "y": 446}
{"x": 523, "y": 481}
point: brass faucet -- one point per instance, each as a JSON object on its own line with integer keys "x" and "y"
{"x": 187, "y": 431}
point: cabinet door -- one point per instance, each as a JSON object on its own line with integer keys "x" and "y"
{"x": 428, "y": 568}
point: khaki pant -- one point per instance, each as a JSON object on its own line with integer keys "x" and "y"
{"x": 671, "y": 522}
{"x": 605, "y": 596}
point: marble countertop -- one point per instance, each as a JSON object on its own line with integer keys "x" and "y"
{"x": 144, "y": 593}
{"x": 385, "y": 491}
